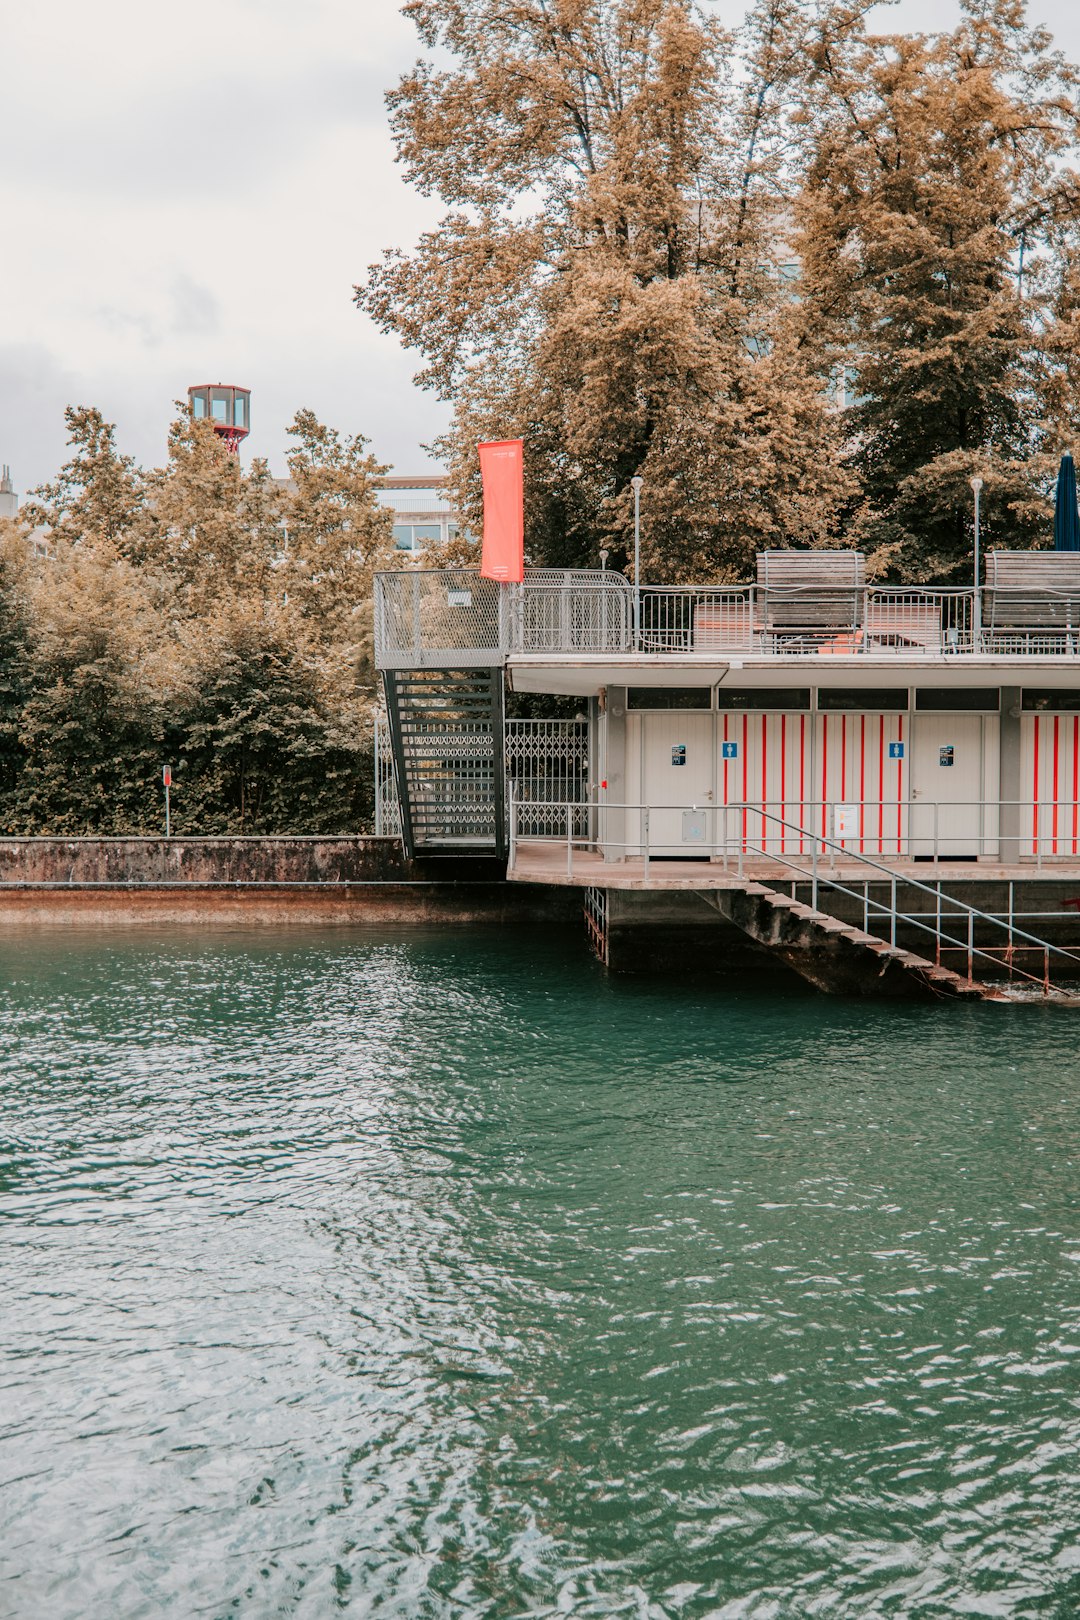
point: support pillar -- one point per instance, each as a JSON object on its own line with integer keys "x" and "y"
{"x": 613, "y": 822}
{"x": 1009, "y": 774}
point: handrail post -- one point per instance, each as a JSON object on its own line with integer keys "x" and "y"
{"x": 511, "y": 808}
{"x": 814, "y": 881}
{"x": 971, "y": 945}
{"x": 645, "y": 862}
{"x": 569, "y": 843}
{"x": 1011, "y": 935}
{"x": 892, "y": 932}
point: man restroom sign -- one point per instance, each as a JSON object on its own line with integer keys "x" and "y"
{"x": 729, "y": 750}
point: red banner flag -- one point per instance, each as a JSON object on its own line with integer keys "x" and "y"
{"x": 504, "y": 510}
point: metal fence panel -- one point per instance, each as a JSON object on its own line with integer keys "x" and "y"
{"x": 547, "y": 761}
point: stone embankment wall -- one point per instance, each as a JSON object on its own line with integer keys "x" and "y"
{"x": 259, "y": 880}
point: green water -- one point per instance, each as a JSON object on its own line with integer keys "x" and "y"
{"x": 437, "y": 1274}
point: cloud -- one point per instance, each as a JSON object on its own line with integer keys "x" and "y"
{"x": 34, "y": 389}
{"x": 195, "y": 310}
{"x": 171, "y": 140}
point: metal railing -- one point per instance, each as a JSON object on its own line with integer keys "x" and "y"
{"x": 436, "y": 618}
{"x": 817, "y": 866}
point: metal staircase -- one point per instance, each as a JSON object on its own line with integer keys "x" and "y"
{"x": 446, "y": 734}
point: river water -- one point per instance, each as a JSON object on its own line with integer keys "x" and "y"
{"x": 440, "y": 1274}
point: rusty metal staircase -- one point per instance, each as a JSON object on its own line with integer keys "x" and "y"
{"x": 446, "y": 733}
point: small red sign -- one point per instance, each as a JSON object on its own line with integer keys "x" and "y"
{"x": 166, "y": 775}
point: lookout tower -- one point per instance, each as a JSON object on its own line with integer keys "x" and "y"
{"x": 228, "y": 408}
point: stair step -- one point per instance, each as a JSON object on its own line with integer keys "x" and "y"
{"x": 446, "y": 730}
{"x": 831, "y": 929}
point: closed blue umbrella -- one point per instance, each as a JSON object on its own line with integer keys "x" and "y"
{"x": 1066, "y": 517}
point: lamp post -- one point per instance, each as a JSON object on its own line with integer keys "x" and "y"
{"x": 635, "y": 485}
{"x": 976, "y": 606}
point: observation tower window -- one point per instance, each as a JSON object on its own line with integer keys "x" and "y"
{"x": 219, "y": 405}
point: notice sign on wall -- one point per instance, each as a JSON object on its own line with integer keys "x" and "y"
{"x": 896, "y": 750}
{"x": 946, "y": 754}
{"x": 678, "y": 753}
{"x": 729, "y": 750}
{"x": 845, "y": 821}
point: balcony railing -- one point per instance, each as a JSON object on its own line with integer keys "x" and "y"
{"x": 437, "y": 619}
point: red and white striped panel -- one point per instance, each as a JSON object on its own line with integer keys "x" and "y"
{"x": 1050, "y": 784}
{"x": 772, "y": 770}
{"x": 853, "y": 766}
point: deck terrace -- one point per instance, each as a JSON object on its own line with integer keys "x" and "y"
{"x": 539, "y": 860}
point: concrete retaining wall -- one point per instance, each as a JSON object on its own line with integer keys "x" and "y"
{"x": 255, "y": 881}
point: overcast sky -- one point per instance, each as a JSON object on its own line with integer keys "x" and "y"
{"x": 189, "y": 195}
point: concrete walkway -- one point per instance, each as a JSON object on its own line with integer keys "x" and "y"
{"x": 545, "y": 861}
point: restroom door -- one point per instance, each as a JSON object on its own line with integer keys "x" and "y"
{"x": 677, "y": 781}
{"x": 953, "y": 756}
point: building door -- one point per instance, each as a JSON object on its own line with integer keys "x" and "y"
{"x": 677, "y": 781}
{"x": 950, "y": 813}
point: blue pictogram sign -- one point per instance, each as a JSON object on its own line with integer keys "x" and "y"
{"x": 896, "y": 750}
{"x": 730, "y": 750}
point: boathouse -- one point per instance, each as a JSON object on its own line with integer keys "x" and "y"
{"x": 906, "y": 732}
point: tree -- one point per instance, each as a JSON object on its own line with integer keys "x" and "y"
{"x": 608, "y": 284}
{"x": 15, "y": 633}
{"x": 938, "y": 236}
{"x": 201, "y": 613}
{"x": 99, "y": 680}
{"x": 99, "y": 495}
{"x": 216, "y": 531}
{"x": 336, "y": 537}
{"x": 266, "y": 748}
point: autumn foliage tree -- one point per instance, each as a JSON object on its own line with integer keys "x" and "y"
{"x": 939, "y": 227}
{"x": 677, "y": 251}
{"x": 609, "y": 281}
{"x": 200, "y": 614}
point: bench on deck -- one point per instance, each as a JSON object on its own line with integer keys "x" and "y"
{"x": 1032, "y": 601}
{"x": 813, "y": 601}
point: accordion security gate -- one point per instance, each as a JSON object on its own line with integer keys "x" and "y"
{"x": 547, "y": 769}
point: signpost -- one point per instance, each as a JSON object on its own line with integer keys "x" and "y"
{"x": 166, "y": 777}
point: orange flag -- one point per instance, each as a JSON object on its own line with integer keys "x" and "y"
{"x": 504, "y": 510}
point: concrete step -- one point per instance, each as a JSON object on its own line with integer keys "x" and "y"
{"x": 836, "y": 956}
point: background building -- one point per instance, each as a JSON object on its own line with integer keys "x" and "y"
{"x": 424, "y": 514}
{"x": 9, "y": 501}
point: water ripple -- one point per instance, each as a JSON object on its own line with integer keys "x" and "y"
{"x": 438, "y": 1275}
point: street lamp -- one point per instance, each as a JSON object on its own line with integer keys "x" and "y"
{"x": 976, "y": 609}
{"x": 635, "y": 485}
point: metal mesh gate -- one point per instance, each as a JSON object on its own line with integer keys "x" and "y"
{"x": 546, "y": 760}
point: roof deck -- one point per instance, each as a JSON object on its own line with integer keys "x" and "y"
{"x": 803, "y": 606}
